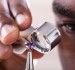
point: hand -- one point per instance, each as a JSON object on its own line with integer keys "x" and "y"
{"x": 14, "y": 16}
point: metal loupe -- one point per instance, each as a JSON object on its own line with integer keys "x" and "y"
{"x": 42, "y": 39}
{"x": 45, "y": 37}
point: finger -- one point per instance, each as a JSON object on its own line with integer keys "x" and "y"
{"x": 9, "y": 32}
{"x": 21, "y": 13}
{"x": 5, "y": 51}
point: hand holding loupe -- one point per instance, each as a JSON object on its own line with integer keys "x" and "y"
{"x": 41, "y": 39}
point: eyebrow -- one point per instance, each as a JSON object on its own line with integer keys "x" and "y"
{"x": 57, "y": 8}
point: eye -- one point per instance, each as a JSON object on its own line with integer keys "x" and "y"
{"x": 69, "y": 27}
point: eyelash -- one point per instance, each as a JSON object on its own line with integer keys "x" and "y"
{"x": 70, "y": 27}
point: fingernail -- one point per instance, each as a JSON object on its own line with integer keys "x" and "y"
{"x": 9, "y": 34}
{"x": 6, "y": 29}
{"x": 20, "y": 19}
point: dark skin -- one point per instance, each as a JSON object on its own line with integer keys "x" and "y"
{"x": 65, "y": 18}
{"x": 15, "y": 16}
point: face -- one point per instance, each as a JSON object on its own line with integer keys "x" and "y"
{"x": 65, "y": 17}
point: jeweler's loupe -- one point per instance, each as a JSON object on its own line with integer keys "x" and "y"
{"x": 42, "y": 39}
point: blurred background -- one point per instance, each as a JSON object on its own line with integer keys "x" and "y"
{"x": 41, "y": 12}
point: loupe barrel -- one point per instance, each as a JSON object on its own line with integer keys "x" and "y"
{"x": 51, "y": 33}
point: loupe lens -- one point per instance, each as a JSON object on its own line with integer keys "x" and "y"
{"x": 41, "y": 42}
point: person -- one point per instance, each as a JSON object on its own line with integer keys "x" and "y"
{"x": 65, "y": 18}
{"x": 14, "y": 14}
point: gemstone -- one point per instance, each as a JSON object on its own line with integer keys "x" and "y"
{"x": 30, "y": 45}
